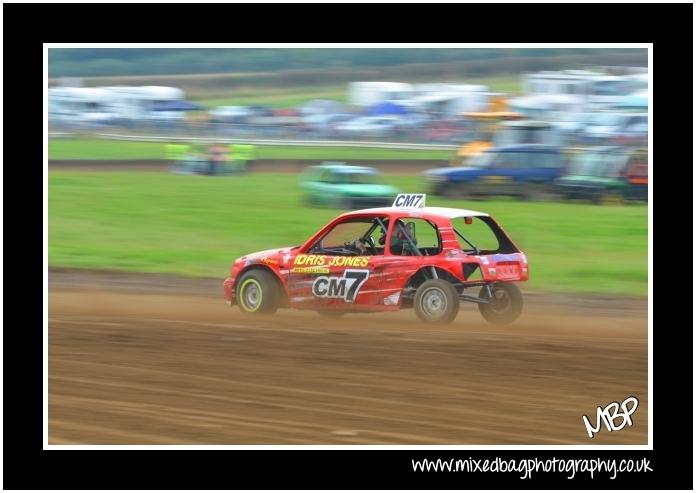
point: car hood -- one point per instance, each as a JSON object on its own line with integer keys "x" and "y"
{"x": 268, "y": 257}
{"x": 449, "y": 170}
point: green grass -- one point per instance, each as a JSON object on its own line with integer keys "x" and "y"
{"x": 96, "y": 149}
{"x": 196, "y": 225}
{"x": 103, "y": 149}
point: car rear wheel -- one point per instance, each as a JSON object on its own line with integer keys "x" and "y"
{"x": 537, "y": 192}
{"x": 436, "y": 301}
{"x": 505, "y": 304}
{"x": 345, "y": 203}
{"x": 258, "y": 291}
{"x": 450, "y": 191}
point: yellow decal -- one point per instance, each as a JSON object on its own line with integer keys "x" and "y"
{"x": 304, "y": 259}
{"x": 270, "y": 261}
{"x": 310, "y": 270}
{"x": 350, "y": 261}
{"x": 316, "y": 260}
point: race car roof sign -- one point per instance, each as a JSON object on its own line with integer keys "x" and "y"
{"x": 410, "y": 200}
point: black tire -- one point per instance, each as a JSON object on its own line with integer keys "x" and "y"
{"x": 258, "y": 291}
{"x": 436, "y": 301}
{"x": 536, "y": 192}
{"x": 507, "y": 306}
{"x": 612, "y": 197}
{"x": 344, "y": 203}
{"x": 449, "y": 191}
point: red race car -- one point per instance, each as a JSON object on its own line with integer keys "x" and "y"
{"x": 386, "y": 259}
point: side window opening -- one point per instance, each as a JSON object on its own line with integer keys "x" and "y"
{"x": 339, "y": 239}
{"x": 410, "y": 233}
{"x": 482, "y": 236}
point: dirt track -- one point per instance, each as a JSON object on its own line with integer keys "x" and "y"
{"x": 136, "y": 359}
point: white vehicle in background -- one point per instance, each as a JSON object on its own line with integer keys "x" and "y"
{"x": 368, "y": 126}
{"x": 595, "y": 89}
{"x": 365, "y": 94}
{"x": 326, "y": 123}
{"x": 606, "y": 126}
{"x": 569, "y": 122}
{"x": 639, "y": 82}
{"x": 318, "y": 107}
{"x": 80, "y": 106}
{"x": 451, "y": 99}
{"x": 137, "y": 103}
{"x": 544, "y": 106}
{"x": 230, "y": 114}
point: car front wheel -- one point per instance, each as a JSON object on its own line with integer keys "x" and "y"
{"x": 258, "y": 292}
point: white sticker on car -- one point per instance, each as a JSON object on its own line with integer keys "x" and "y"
{"x": 345, "y": 287}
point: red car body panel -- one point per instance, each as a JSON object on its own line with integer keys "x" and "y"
{"x": 376, "y": 282}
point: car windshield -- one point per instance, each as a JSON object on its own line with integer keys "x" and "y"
{"x": 589, "y": 164}
{"x": 338, "y": 240}
{"x": 361, "y": 178}
{"x": 525, "y": 135}
{"x": 610, "y": 88}
{"x": 482, "y": 160}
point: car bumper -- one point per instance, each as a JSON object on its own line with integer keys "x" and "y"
{"x": 578, "y": 191}
{"x": 228, "y": 289}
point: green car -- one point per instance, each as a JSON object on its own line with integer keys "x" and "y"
{"x": 346, "y": 187}
{"x": 607, "y": 175}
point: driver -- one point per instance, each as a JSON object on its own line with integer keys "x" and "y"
{"x": 365, "y": 244}
{"x": 358, "y": 245}
{"x": 398, "y": 243}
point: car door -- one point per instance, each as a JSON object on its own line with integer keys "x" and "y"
{"x": 326, "y": 186}
{"x": 498, "y": 179}
{"x": 540, "y": 167}
{"x": 548, "y": 166}
{"x": 324, "y": 278}
{"x": 401, "y": 262}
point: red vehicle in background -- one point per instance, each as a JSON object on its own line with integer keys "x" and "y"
{"x": 387, "y": 259}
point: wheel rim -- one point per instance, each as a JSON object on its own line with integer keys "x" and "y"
{"x": 500, "y": 302}
{"x": 433, "y": 302}
{"x": 251, "y": 295}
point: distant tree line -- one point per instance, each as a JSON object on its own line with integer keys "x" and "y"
{"x": 90, "y": 62}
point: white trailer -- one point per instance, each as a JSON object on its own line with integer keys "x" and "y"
{"x": 596, "y": 88}
{"x": 368, "y": 93}
{"x": 88, "y": 105}
{"x": 138, "y": 102}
